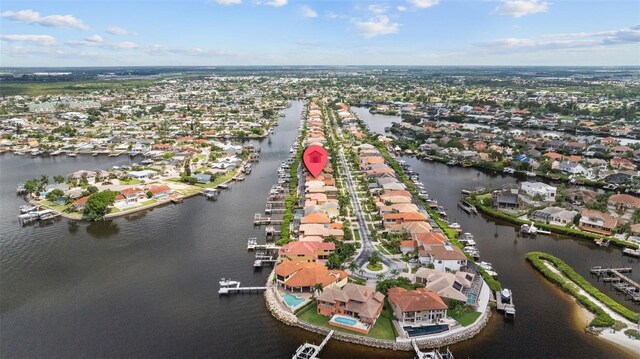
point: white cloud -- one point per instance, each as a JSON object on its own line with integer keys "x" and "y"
{"x": 401, "y": 8}
{"x": 227, "y": 2}
{"x": 307, "y": 11}
{"x": 95, "y": 38}
{"x": 377, "y": 26}
{"x": 126, "y": 45}
{"x": 378, "y": 9}
{"x": 567, "y": 41}
{"x": 519, "y": 8}
{"x": 274, "y": 3}
{"x": 33, "y": 17}
{"x": 332, "y": 15}
{"x": 43, "y": 40}
{"x": 114, "y": 30}
{"x": 423, "y": 4}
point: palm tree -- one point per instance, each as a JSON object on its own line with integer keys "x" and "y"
{"x": 395, "y": 271}
{"x": 318, "y": 288}
{"x": 353, "y": 267}
{"x": 379, "y": 277}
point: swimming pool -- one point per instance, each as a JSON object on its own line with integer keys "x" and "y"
{"x": 346, "y": 321}
{"x": 292, "y": 300}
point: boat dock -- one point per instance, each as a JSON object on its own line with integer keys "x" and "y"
{"x": 228, "y": 286}
{"x": 311, "y": 351}
{"x": 504, "y": 303}
{"x": 434, "y": 354}
{"x": 619, "y": 281}
{"x": 252, "y": 244}
{"x": 259, "y": 220}
{"x": 34, "y": 216}
{"x": 263, "y": 258}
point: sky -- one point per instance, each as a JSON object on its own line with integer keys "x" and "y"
{"x": 322, "y": 32}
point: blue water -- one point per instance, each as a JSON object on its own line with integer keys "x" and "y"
{"x": 292, "y": 301}
{"x": 431, "y": 329}
{"x": 345, "y": 321}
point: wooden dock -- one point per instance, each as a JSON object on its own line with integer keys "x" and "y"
{"x": 252, "y": 244}
{"x": 264, "y": 258}
{"x": 434, "y": 354}
{"x": 228, "y": 286}
{"x": 259, "y": 220}
{"x": 619, "y": 281}
{"x": 505, "y": 306}
{"x": 311, "y": 351}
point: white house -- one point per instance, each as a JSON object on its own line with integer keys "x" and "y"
{"x": 532, "y": 189}
{"x": 444, "y": 257}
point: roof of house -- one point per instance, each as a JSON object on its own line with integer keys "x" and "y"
{"x": 298, "y": 248}
{"x": 625, "y": 199}
{"x": 308, "y": 274}
{"x": 417, "y": 300}
{"x": 316, "y": 217}
{"x": 443, "y": 252}
{"x": 608, "y": 221}
{"x": 359, "y": 299}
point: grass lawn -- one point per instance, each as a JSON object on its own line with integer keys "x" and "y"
{"x": 55, "y": 207}
{"x": 465, "y": 319}
{"x": 218, "y": 180}
{"x": 356, "y": 235}
{"x": 114, "y": 210}
{"x": 148, "y": 202}
{"x": 383, "y": 329}
{"x": 130, "y": 181}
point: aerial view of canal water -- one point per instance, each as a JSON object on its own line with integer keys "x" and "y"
{"x": 146, "y": 285}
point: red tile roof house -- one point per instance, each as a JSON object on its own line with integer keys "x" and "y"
{"x": 78, "y": 204}
{"x": 159, "y": 191}
{"x": 623, "y": 205}
{"x": 307, "y": 251}
{"x": 133, "y": 194}
{"x": 408, "y": 246}
{"x": 416, "y": 308}
{"x": 390, "y": 219}
{"x": 597, "y": 222}
{"x": 618, "y": 163}
{"x": 303, "y": 276}
{"x": 357, "y": 301}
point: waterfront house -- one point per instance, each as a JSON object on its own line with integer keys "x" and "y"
{"x": 78, "y": 204}
{"x": 408, "y": 246}
{"x": 159, "y": 191}
{"x": 143, "y": 174}
{"x": 540, "y": 190}
{"x": 506, "y": 199}
{"x": 443, "y": 257}
{"x": 597, "y": 222}
{"x": 307, "y": 251}
{"x": 416, "y": 308}
{"x": 202, "y": 178}
{"x": 449, "y": 286}
{"x": 554, "y": 215}
{"x": 412, "y": 228}
{"x": 303, "y": 276}
{"x": 133, "y": 194}
{"x": 362, "y": 303}
{"x": 623, "y": 205}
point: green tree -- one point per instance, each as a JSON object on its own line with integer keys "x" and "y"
{"x": 55, "y": 194}
{"x": 98, "y": 203}
{"x": 31, "y": 185}
{"x": 58, "y": 179}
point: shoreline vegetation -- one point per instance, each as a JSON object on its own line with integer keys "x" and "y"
{"x": 569, "y": 280}
{"x": 478, "y": 201}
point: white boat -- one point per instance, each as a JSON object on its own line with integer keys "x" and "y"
{"x": 508, "y": 170}
{"x": 531, "y": 174}
{"x": 505, "y": 295}
{"x": 485, "y": 265}
{"x": 455, "y": 226}
{"x": 528, "y": 229}
{"x": 491, "y": 273}
{"x": 72, "y": 154}
{"x": 631, "y": 252}
{"x": 27, "y": 208}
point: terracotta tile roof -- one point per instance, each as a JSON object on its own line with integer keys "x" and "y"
{"x": 625, "y": 199}
{"x": 430, "y": 238}
{"x": 308, "y": 274}
{"x": 417, "y": 300}
{"x": 316, "y": 217}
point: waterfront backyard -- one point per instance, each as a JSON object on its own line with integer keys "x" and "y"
{"x": 383, "y": 329}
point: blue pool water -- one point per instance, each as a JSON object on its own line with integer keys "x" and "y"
{"x": 346, "y": 321}
{"x": 292, "y": 301}
{"x": 431, "y": 329}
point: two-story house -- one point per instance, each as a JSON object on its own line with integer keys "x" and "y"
{"x": 356, "y": 301}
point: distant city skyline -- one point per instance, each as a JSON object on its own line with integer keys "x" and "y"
{"x": 291, "y": 32}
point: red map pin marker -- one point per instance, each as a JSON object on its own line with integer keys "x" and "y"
{"x": 315, "y": 158}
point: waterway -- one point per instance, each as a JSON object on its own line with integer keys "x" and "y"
{"x": 547, "y": 323}
{"x": 146, "y": 285}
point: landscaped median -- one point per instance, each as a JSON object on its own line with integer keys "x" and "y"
{"x": 569, "y": 281}
{"x": 478, "y": 201}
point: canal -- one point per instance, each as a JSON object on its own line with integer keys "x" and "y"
{"x": 146, "y": 285}
{"x": 549, "y": 323}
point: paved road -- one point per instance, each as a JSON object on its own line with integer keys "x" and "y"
{"x": 367, "y": 246}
